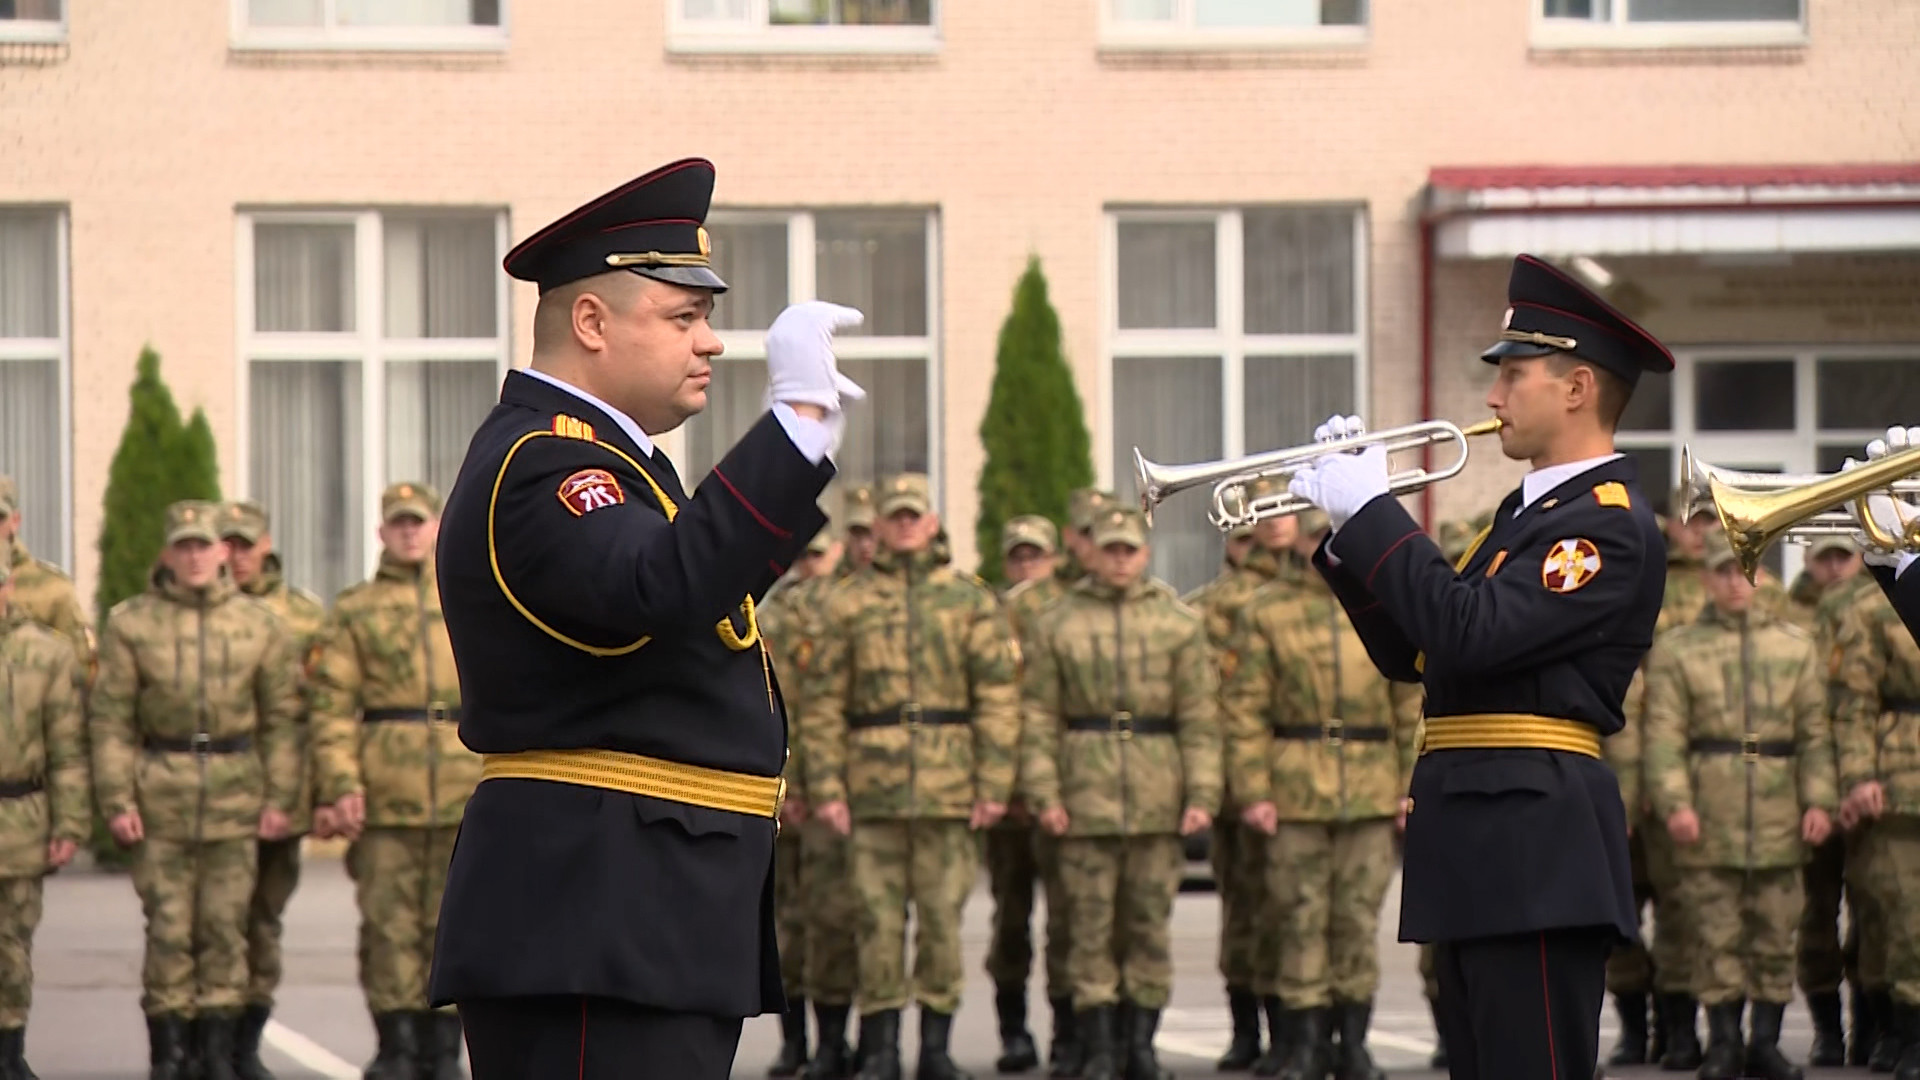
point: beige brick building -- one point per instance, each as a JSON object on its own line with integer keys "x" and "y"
{"x": 1250, "y": 212}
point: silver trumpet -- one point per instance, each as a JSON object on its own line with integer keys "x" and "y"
{"x": 1234, "y": 507}
{"x": 1697, "y": 479}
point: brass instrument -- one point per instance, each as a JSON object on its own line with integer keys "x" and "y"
{"x": 1233, "y": 507}
{"x": 1756, "y": 509}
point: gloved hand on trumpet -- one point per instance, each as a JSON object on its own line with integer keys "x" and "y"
{"x": 1342, "y": 481}
{"x": 1891, "y": 516}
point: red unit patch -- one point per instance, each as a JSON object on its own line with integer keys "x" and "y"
{"x": 589, "y": 490}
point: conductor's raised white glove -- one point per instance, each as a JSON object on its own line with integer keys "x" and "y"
{"x": 1341, "y": 483}
{"x": 801, "y": 368}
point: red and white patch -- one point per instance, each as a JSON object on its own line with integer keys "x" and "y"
{"x": 589, "y": 490}
{"x": 1569, "y": 565}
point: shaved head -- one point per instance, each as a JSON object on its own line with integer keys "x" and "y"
{"x": 618, "y": 290}
{"x": 642, "y": 345}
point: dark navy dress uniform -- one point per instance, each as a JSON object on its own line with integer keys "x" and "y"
{"x": 1903, "y": 592}
{"x": 608, "y": 911}
{"x": 1516, "y": 858}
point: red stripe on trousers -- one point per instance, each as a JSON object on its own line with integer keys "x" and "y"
{"x": 583, "y": 1039}
{"x": 1546, "y": 1001}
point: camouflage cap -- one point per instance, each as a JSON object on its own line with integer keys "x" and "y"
{"x": 1119, "y": 525}
{"x": 409, "y": 498}
{"x": 192, "y": 519}
{"x": 1313, "y": 521}
{"x": 1717, "y": 551}
{"x": 1083, "y": 503}
{"x": 1241, "y": 532}
{"x": 245, "y": 519}
{"x": 905, "y": 491}
{"x": 6, "y": 561}
{"x": 9, "y": 497}
{"x": 859, "y": 507}
{"x": 1029, "y": 529}
{"x": 1267, "y": 484}
{"x": 821, "y": 543}
{"x": 1823, "y": 544}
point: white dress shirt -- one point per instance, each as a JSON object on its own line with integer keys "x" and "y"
{"x": 1540, "y": 481}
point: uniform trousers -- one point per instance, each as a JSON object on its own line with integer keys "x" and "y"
{"x": 19, "y": 917}
{"x": 277, "y": 877}
{"x": 594, "y": 1038}
{"x": 1524, "y": 1006}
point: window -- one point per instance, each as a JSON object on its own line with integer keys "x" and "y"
{"x": 804, "y": 25}
{"x": 1187, "y": 24}
{"x": 370, "y": 24}
{"x": 880, "y": 261}
{"x": 1231, "y": 333}
{"x": 1654, "y": 23}
{"x": 33, "y": 20}
{"x": 374, "y": 345}
{"x": 33, "y": 375}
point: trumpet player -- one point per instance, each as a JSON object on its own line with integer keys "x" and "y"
{"x": 1516, "y": 844}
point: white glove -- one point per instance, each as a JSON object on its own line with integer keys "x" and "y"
{"x": 801, "y": 369}
{"x": 1342, "y": 482}
{"x": 1339, "y": 427}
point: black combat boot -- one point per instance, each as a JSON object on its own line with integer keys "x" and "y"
{"x": 1829, "y": 1031}
{"x": 1307, "y": 1057}
{"x": 1354, "y": 1062}
{"x": 1632, "y": 1047}
{"x": 1068, "y": 1054}
{"x": 1889, "y": 1041}
{"x": 167, "y": 1047}
{"x": 1244, "y": 1050}
{"x": 439, "y": 1037}
{"x": 1904, "y": 1023}
{"x": 1439, "y": 1058}
{"x": 936, "y": 1028}
{"x": 1017, "y": 1051}
{"x": 246, "y": 1044}
{"x": 399, "y": 1049}
{"x": 1142, "y": 1063}
{"x": 1866, "y": 1027}
{"x": 1096, "y": 1034}
{"x": 832, "y": 1061}
{"x": 213, "y": 1033}
{"x": 1281, "y": 1027}
{"x": 880, "y": 1045}
{"x": 793, "y": 1040}
{"x": 1723, "y": 1060}
{"x": 1679, "y": 1014}
{"x": 1764, "y": 1059}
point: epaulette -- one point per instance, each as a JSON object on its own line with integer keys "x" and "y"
{"x": 572, "y": 427}
{"x": 1613, "y": 493}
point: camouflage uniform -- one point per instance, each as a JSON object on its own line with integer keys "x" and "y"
{"x": 279, "y": 860}
{"x": 1122, "y": 731}
{"x": 1876, "y": 720}
{"x": 193, "y": 725}
{"x": 385, "y": 701}
{"x": 43, "y": 593}
{"x": 1736, "y": 730}
{"x": 1319, "y": 733}
{"x": 44, "y": 796}
{"x": 909, "y": 714}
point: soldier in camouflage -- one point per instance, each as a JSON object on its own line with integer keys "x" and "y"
{"x": 1876, "y": 721}
{"x": 910, "y": 726}
{"x": 1249, "y": 932}
{"x": 41, "y": 591}
{"x": 45, "y": 804}
{"x": 255, "y": 567}
{"x": 1122, "y": 754}
{"x": 781, "y": 617}
{"x": 196, "y": 758}
{"x": 1738, "y": 760}
{"x": 387, "y": 757}
{"x": 1028, "y": 547}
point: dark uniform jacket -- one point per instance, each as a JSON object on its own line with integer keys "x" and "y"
{"x": 1903, "y": 591}
{"x": 580, "y": 617}
{"x": 1549, "y": 615}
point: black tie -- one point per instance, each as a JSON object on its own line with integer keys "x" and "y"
{"x": 669, "y": 479}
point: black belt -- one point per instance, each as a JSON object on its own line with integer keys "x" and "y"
{"x": 19, "y": 789}
{"x": 438, "y": 712}
{"x": 1124, "y": 724}
{"x": 1900, "y": 704}
{"x": 1751, "y": 746}
{"x": 199, "y": 744}
{"x": 910, "y": 714}
{"x": 1333, "y": 732}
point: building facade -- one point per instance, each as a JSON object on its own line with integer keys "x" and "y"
{"x": 1251, "y": 213}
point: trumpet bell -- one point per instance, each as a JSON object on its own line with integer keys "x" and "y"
{"x": 1755, "y": 513}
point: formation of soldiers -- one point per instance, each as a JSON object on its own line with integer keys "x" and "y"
{"x": 221, "y": 717}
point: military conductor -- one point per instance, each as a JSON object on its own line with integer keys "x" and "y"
{"x": 1516, "y": 841}
{"x": 608, "y": 911}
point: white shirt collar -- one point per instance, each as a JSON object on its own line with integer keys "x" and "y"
{"x": 626, "y": 422}
{"x": 1540, "y": 481}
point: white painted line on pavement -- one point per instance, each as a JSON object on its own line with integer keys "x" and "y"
{"x": 307, "y": 1053}
{"x": 1388, "y": 1039}
{"x": 1193, "y": 1046}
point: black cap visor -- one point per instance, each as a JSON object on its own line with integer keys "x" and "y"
{"x": 691, "y": 277}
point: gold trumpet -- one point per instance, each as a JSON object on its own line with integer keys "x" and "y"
{"x": 1233, "y": 506}
{"x": 1756, "y": 509}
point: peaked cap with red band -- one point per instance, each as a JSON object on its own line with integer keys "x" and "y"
{"x": 653, "y": 226}
{"x": 1550, "y": 312}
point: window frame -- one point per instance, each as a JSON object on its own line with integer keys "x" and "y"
{"x": 802, "y": 285}
{"x": 1618, "y": 32}
{"x": 1227, "y": 337}
{"x": 60, "y": 351}
{"x": 1179, "y": 34}
{"x": 367, "y": 344}
{"x": 755, "y": 33}
{"x": 334, "y": 38}
{"x": 38, "y": 31}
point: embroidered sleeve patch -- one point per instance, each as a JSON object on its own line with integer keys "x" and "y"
{"x": 589, "y": 490}
{"x": 1613, "y": 493}
{"x": 1569, "y": 565}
